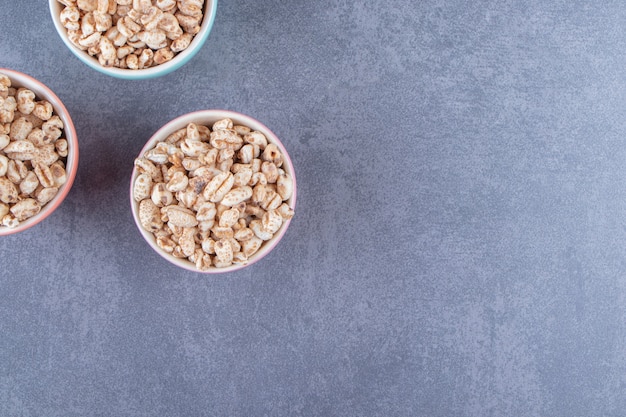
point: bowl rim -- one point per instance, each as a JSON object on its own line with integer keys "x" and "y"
{"x": 42, "y": 91}
{"x": 210, "y": 116}
{"x": 142, "y": 74}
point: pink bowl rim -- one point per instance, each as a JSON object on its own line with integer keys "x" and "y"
{"x": 212, "y": 115}
{"x": 19, "y": 79}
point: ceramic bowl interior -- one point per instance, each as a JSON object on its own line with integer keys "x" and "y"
{"x": 207, "y": 118}
{"x": 19, "y": 79}
{"x": 210, "y": 7}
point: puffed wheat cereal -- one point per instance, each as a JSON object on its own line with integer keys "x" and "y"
{"x": 131, "y": 34}
{"x": 33, "y": 153}
{"x": 213, "y": 194}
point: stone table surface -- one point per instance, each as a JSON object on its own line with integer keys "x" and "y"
{"x": 459, "y": 244}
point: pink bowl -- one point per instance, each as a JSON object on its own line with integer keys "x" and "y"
{"x": 208, "y": 117}
{"x": 19, "y": 79}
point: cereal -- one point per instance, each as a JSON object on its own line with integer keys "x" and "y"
{"x": 33, "y": 154}
{"x": 132, "y": 34}
{"x": 220, "y": 191}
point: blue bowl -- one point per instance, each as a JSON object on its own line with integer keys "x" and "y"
{"x": 178, "y": 61}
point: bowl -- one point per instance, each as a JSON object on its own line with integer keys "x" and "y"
{"x": 42, "y": 92}
{"x": 208, "y": 118}
{"x": 180, "y": 59}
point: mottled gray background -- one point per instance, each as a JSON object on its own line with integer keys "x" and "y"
{"x": 459, "y": 242}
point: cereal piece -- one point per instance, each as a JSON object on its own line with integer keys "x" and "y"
{"x": 144, "y": 165}
{"x": 37, "y": 138}
{"x": 284, "y": 186}
{"x": 243, "y": 234}
{"x": 169, "y": 24}
{"x": 250, "y": 246}
{"x": 5, "y": 84}
{"x": 166, "y": 244}
{"x": 8, "y": 191}
{"x": 218, "y": 187}
{"x": 10, "y": 221}
{"x": 117, "y": 38}
{"x": 256, "y": 138}
{"x": 222, "y": 124}
{"x": 257, "y": 227}
{"x": 178, "y": 182}
{"x": 25, "y": 209}
{"x": 19, "y": 145}
{"x": 103, "y": 6}
{"x": 203, "y": 263}
{"x": 150, "y": 19}
{"x": 128, "y": 27}
{"x": 142, "y": 6}
{"x": 4, "y": 164}
{"x": 46, "y": 179}
{"x": 108, "y": 53}
{"x": 247, "y": 153}
{"x": 180, "y": 216}
{"x": 270, "y": 171}
{"x": 155, "y": 39}
{"x": 75, "y": 36}
{"x": 142, "y": 187}
{"x": 271, "y": 201}
{"x": 163, "y": 55}
{"x": 46, "y": 195}
{"x": 191, "y": 7}
{"x": 88, "y": 24}
{"x": 197, "y": 184}
{"x": 146, "y": 58}
{"x": 226, "y": 138}
{"x": 103, "y": 21}
{"x": 29, "y": 184}
{"x": 149, "y": 216}
{"x": 219, "y": 232}
{"x": 16, "y": 170}
{"x": 187, "y": 198}
{"x": 206, "y": 211}
{"x": 70, "y": 18}
{"x": 58, "y": 174}
{"x": 61, "y": 147}
{"x": 20, "y": 129}
{"x": 25, "y": 100}
{"x": 236, "y": 196}
{"x": 7, "y": 109}
{"x": 4, "y": 141}
{"x": 181, "y": 42}
{"x": 224, "y": 252}
{"x": 285, "y": 211}
{"x": 132, "y": 61}
{"x": 272, "y": 154}
{"x": 271, "y": 221}
{"x": 161, "y": 196}
{"x": 189, "y": 24}
{"x": 43, "y": 110}
{"x": 87, "y": 5}
{"x": 45, "y": 154}
{"x": 90, "y": 40}
{"x": 243, "y": 177}
{"x": 52, "y": 129}
{"x": 187, "y": 241}
{"x": 228, "y": 218}
{"x": 166, "y": 5}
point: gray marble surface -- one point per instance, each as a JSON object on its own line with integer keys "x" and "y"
{"x": 459, "y": 247}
